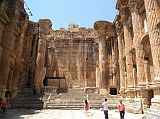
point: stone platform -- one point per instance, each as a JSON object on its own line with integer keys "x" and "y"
{"x": 64, "y": 114}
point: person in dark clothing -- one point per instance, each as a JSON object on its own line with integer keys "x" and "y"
{"x": 34, "y": 90}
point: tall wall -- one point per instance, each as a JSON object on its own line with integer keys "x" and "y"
{"x": 121, "y": 56}
{"x": 13, "y": 23}
{"x": 73, "y": 54}
{"x": 18, "y": 46}
{"x": 138, "y": 34}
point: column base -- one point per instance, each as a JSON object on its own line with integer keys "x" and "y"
{"x": 104, "y": 91}
{"x": 134, "y": 105}
{"x": 155, "y": 102}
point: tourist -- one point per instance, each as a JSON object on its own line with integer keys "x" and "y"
{"x": 86, "y": 106}
{"x": 105, "y": 108}
{"x": 34, "y": 90}
{"x": 121, "y": 109}
{"x": 0, "y": 102}
{"x": 3, "y": 105}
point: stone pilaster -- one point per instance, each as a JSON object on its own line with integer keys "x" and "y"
{"x": 153, "y": 19}
{"x": 138, "y": 32}
{"x": 9, "y": 37}
{"x": 154, "y": 36}
{"x": 126, "y": 19}
{"x": 45, "y": 26}
{"x": 18, "y": 66}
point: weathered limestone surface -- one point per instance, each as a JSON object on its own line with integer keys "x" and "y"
{"x": 44, "y": 27}
{"x": 73, "y": 54}
{"x": 14, "y": 20}
{"x": 144, "y": 60}
{"x": 107, "y": 56}
{"x": 123, "y": 56}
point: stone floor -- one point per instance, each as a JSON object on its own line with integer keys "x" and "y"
{"x": 64, "y": 114}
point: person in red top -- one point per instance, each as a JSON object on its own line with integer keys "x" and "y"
{"x": 86, "y": 106}
{"x": 121, "y": 109}
{"x": 3, "y": 105}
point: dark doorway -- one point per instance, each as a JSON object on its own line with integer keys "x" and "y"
{"x": 45, "y": 82}
{"x": 58, "y": 82}
{"x": 113, "y": 91}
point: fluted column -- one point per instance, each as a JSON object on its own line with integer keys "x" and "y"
{"x": 138, "y": 32}
{"x": 128, "y": 46}
{"x": 120, "y": 48}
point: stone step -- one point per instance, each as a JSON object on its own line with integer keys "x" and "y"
{"x": 77, "y": 106}
{"x": 28, "y": 106}
{"x": 27, "y": 100}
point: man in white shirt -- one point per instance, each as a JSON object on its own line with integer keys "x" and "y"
{"x": 105, "y": 108}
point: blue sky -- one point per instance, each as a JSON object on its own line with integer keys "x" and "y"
{"x": 63, "y": 12}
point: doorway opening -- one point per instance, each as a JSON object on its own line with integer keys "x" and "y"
{"x": 113, "y": 91}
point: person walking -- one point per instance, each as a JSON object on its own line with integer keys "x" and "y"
{"x": 105, "y": 108}
{"x": 121, "y": 109}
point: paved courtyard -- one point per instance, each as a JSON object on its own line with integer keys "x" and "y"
{"x": 63, "y": 114}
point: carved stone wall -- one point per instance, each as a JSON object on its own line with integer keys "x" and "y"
{"x": 139, "y": 27}
{"x": 73, "y": 54}
{"x": 13, "y": 22}
{"x": 121, "y": 56}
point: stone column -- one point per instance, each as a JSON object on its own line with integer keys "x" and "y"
{"x": 138, "y": 32}
{"x": 120, "y": 48}
{"x": 103, "y": 79}
{"x": 153, "y": 19}
{"x": 128, "y": 46}
{"x": 157, "y": 9}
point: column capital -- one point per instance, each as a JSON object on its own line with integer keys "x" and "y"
{"x": 104, "y": 28}
{"x": 119, "y": 27}
{"x": 133, "y": 5}
{"x": 45, "y": 25}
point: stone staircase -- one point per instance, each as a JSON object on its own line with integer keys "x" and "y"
{"x": 74, "y": 99}
{"x": 27, "y": 100}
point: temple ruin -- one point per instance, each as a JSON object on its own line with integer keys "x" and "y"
{"x": 121, "y": 58}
